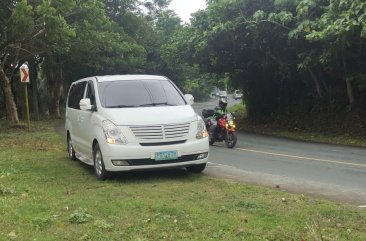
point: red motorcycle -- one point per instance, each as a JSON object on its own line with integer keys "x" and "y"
{"x": 225, "y": 130}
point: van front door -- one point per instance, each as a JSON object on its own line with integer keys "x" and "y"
{"x": 73, "y": 111}
{"x": 86, "y": 122}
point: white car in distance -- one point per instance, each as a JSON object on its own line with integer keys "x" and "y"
{"x": 237, "y": 95}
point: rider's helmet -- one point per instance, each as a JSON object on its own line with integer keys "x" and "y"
{"x": 223, "y": 102}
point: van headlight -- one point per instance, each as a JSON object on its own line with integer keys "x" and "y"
{"x": 201, "y": 129}
{"x": 113, "y": 134}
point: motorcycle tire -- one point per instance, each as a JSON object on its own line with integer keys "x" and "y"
{"x": 211, "y": 140}
{"x": 231, "y": 139}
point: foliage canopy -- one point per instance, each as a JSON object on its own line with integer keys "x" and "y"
{"x": 293, "y": 59}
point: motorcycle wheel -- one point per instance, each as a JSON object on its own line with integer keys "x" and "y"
{"x": 231, "y": 139}
{"x": 211, "y": 139}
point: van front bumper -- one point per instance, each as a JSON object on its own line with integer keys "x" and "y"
{"x": 136, "y": 157}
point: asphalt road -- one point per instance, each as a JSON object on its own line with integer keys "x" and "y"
{"x": 330, "y": 171}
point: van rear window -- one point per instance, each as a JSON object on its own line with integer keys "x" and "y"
{"x": 138, "y": 93}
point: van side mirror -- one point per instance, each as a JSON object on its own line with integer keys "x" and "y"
{"x": 85, "y": 104}
{"x": 189, "y": 98}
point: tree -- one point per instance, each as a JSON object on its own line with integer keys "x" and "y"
{"x": 290, "y": 57}
{"x": 17, "y": 30}
{"x": 24, "y": 28}
{"x": 343, "y": 28}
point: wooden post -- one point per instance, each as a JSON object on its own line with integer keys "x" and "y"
{"x": 27, "y": 105}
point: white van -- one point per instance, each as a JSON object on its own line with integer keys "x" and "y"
{"x": 133, "y": 122}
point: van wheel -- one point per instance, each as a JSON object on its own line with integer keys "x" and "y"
{"x": 197, "y": 168}
{"x": 99, "y": 168}
{"x": 70, "y": 149}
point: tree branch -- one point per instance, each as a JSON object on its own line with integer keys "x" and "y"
{"x": 266, "y": 21}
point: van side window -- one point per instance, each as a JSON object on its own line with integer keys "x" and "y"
{"x": 90, "y": 93}
{"x": 75, "y": 95}
{"x": 71, "y": 96}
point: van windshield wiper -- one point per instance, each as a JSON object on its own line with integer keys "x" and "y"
{"x": 121, "y": 106}
{"x": 156, "y": 104}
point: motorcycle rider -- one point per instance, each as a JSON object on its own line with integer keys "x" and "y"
{"x": 219, "y": 111}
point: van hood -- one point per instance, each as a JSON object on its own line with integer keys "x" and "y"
{"x": 151, "y": 115}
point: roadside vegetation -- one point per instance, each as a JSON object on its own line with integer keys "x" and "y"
{"x": 45, "y": 196}
{"x": 320, "y": 134}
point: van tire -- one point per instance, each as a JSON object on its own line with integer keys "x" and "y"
{"x": 99, "y": 168}
{"x": 70, "y": 149}
{"x": 197, "y": 168}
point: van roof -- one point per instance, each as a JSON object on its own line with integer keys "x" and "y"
{"x": 129, "y": 77}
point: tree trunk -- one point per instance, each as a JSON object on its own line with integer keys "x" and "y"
{"x": 351, "y": 98}
{"x": 317, "y": 83}
{"x": 50, "y": 95}
{"x": 33, "y": 82}
{"x": 11, "y": 109}
{"x": 55, "y": 88}
{"x": 58, "y": 93}
{"x": 58, "y": 90}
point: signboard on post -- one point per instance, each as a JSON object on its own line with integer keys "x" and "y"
{"x": 24, "y": 78}
{"x": 24, "y": 74}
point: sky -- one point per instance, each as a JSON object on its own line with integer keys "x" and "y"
{"x": 184, "y": 8}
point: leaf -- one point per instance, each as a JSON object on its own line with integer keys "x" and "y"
{"x": 259, "y": 15}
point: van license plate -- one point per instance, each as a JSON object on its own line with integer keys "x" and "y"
{"x": 166, "y": 155}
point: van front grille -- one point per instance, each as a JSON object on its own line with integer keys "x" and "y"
{"x": 140, "y": 162}
{"x": 161, "y": 133}
{"x": 163, "y": 143}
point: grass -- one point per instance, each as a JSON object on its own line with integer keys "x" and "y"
{"x": 45, "y": 196}
{"x": 332, "y": 137}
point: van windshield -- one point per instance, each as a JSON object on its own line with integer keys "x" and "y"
{"x": 138, "y": 93}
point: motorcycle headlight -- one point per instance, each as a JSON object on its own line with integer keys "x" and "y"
{"x": 201, "y": 129}
{"x": 231, "y": 124}
{"x": 113, "y": 134}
